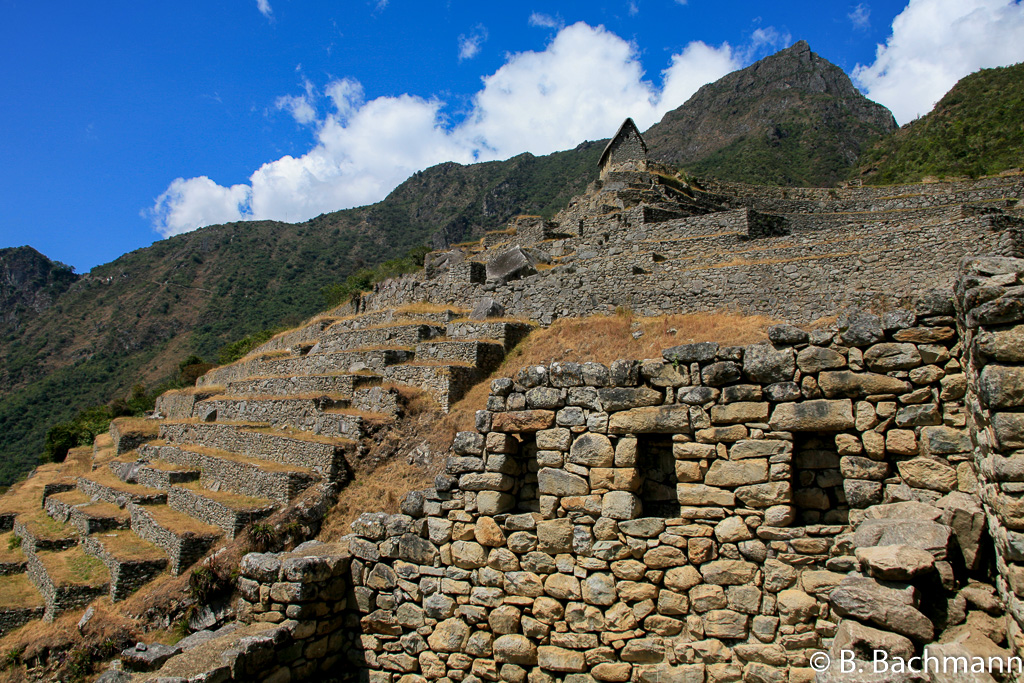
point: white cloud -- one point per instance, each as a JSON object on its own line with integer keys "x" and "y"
{"x": 765, "y": 41}
{"x": 469, "y": 46}
{"x": 544, "y": 20}
{"x": 264, "y": 8}
{"x": 298, "y": 106}
{"x": 189, "y": 204}
{"x": 579, "y": 88}
{"x": 634, "y": 8}
{"x": 860, "y": 16}
{"x": 934, "y": 43}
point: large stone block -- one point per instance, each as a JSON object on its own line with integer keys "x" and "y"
{"x": 523, "y": 420}
{"x": 813, "y": 416}
{"x": 671, "y": 419}
{"x": 765, "y": 364}
{"x": 511, "y": 264}
{"x": 733, "y": 473}
{"x": 625, "y": 398}
{"x": 857, "y": 384}
{"x": 701, "y": 495}
{"x": 886, "y": 357}
{"x": 733, "y": 413}
{"x": 558, "y": 482}
{"x": 592, "y": 450}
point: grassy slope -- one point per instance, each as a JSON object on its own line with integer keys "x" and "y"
{"x": 974, "y": 130}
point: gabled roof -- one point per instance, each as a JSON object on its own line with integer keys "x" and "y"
{"x": 626, "y": 127}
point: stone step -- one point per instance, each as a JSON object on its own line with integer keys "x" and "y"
{"x": 289, "y": 385}
{"x": 235, "y": 472}
{"x": 507, "y": 333}
{"x": 447, "y": 383}
{"x": 156, "y": 474}
{"x": 277, "y": 411}
{"x": 12, "y": 557}
{"x": 324, "y": 455}
{"x": 67, "y": 579}
{"x": 84, "y": 514}
{"x": 229, "y": 511}
{"x": 131, "y": 561}
{"x": 20, "y": 602}
{"x": 485, "y": 355}
{"x": 38, "y": 532}
{"x": 418, "y": 313}
{"x": 337, "y": 338}
{"x": 104, "y": 485}
{"x": 317, "y": 363}
{"x": 181, "y": 537}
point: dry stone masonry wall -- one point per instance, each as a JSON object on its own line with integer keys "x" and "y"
{"x": 717, "y": 514}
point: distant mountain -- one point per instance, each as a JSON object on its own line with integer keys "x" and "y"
{"x": 133, "y": 320}
{"x": 790, "y": 119}
{"x": 29, "y": 284}
{"x": 974, "y": 130}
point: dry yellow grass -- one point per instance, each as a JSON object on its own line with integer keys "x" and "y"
{"x": 423, "y": 307}
{"x": 74, "y": 567}
{"x": 125, "y": 545}
{"x": 606, "y": 338}
{"x": 137, "y": 426}
{"x": 179, "y": 523}
{"x": 18, "y": 592}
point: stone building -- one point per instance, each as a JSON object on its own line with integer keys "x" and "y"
{"x": 626, "y": 151}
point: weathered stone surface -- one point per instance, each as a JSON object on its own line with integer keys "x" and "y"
{"x": 858, "y": 384}
{"x": 820, "y": 415}
{"x": 1001, "y": 386}
{"x": 554, "y": 536}
{"x": 814, "y": 359}
{"x": 728, "y": 572}
{"x": 923, "y": 534}
{"x": 592, "y": 450}
{"x": 862, "y": 640}
{"x": 766, "y": 495}
{"x": 919, "y": 415}
{"x": 739, "y": 412}
{"x": 759, "y": 448}
{"x": 720, "y": 373}
{"x": 765, "y": 364}
{"x": 700, "y": 494}
{"x": 723, "y": 623}
{"x": 625, "y": 398}
{"x": 787, "y": 334}
{"x": 486, "y": 308}
{"x": 928, "y": 473}
{"x": 558, "y": 482}
{"x": 854, "y": 467}
{"x": 523, "y": 420}
{"x": 515, "y": 649}
{"x": 857, "y": 328}
{"x": 620, "y": 505}
{"x": 895, "y": 562}
{"x": 937, "y": 440}
{"x": 1002, "y": 345}
{"x": 886, "y": 357}
{"x": 512, "y": 264}
{"x": 700, "y": 352}
{"x": 925, "y": 335}
{"x": 733, "y": 473}
{"x": 560, "y": 659}
{"x": 891, "y": 609}
{"x": 451, "y": 635}
{"x": 861, "y": 493}
{"x": 655, "y": 419}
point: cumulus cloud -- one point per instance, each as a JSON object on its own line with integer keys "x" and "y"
{"x": 580, "y": 87}
{"x": 933, "y": 44}
{"x": 860, "y": 16}
{"x": 264, "y": 8}
{"x": 469, "y": 45}
{"x": 189, "y": 204}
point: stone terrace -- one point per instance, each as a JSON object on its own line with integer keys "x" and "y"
{"x": 158, "y": 495}
{"x": 648, "y": 242}
{"x": 717, "y": 514}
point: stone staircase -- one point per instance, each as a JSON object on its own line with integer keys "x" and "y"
{"x": 156, "y": 496}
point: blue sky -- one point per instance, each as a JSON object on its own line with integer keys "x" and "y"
{"x": 123, "y": 122}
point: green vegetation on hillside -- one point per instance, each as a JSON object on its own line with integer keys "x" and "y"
{"x": 362, "y": 280}
{"x": 975, "y": 130}
{"x": 134, "y": 319}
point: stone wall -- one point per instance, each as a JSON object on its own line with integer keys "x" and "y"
{"x": 306, "y": 593}
{"x": 990, "y": 310}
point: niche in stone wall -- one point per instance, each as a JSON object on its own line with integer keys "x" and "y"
{"x": 657, "y": 468}
{"x": 526, "y": 494}
{"x": 817, "y": 482}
